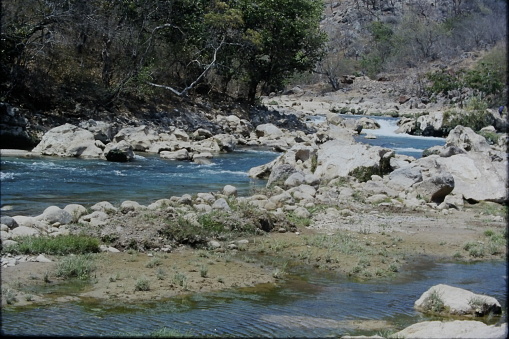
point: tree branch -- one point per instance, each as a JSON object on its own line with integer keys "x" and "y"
{"x": 205, "y": 71}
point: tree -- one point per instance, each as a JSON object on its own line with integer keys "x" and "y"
{"x": 280, "y": 38}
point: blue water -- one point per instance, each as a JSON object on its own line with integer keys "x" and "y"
{"x": 312, "y": 305}
{"x": 406, "y": 144}
{"x": 29, "y": 185}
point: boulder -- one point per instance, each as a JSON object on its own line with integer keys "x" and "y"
{"x": 140, "y": 138}
{"x": 76, "y": 211}
{"x": 181, "y": 154}
{"x": 456, "y": 301}
{"x": 104, "y": 206}
{"x": 335, "y": 159}
{"x": 68, "y": 141}
{"x": 23, "y": 231}
{"x": 268, "y": 130}
{"x": 221, "y": 204}
{"x": 404, "y": 177}
{"x": 436, "y": 187}
{"x": 467, "y": 139}
{"x": 119, "y": 151}
{"x": 477, "y": 177}
{"x": 230, "y": 190}
{"x": 452, "y": 329}
{"x": 279, "y": 174}
{"x": 431, "y": 124}
{"x": 8, "y": 221}
{"x": 54, "y": 214}
{"x": 101, "y": 130}
{"x": 226, "y": 142}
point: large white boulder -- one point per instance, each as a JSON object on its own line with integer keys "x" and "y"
{"x": 452, "y": 329}
{"x": 68, "y": 141}
{"x": 477, "y": 177}
{"x": 335, "y": 159}
{"x": 456, "y": 301}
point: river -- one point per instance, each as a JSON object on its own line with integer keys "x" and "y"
{"x": 304, "y": 305}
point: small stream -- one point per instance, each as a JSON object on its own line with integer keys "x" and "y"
{"x": 305, "y": 305}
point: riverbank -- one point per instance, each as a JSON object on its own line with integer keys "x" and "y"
{"x": 371, "y": 243}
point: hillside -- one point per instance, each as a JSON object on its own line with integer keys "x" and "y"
{"x": 388, "y": 46}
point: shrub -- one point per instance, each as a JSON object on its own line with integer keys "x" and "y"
{"x": 76, "y": 266}
{"x": 434, "y": 302}
{"x": 142, "y": 284}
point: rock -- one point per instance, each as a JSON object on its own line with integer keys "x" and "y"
{"x": 42, "y": 258}
{"x": 456, "y": 301}
{"x": 404, "y": 177}
{"x": 452, "y": 329}
{"x": 68, "y": 141}
{"x": 181, "y": 154}
{"x": 230, "y": 190}
{"x": 268, "y": 130}
{"x": 119, "y": 152}
{"x": 335, "y": 159}
{"x": 279, "y": 174}
{"x": 23, "y": 231}
{"x": 10, "y": 222}
{"x": 368, "y": 123}
{"x": 129, "y": 205}
{"x": 186, "y": 199}
{"x": 214, "y": 244}
{"x": 467, "y": 139}
{"x": 104, "y": 206}
{"x": 431, "y": 124}
{"x": 97, "y": 218}
{"x": 221, "y": 204}
{"x": 436, "y": 187}
{"x": 477, "y": 177}
{"x": 226, "y": 142}
{"x": 55, "y": 214}
{"x": 294, "y": 180}
{"x": 76, "y": 211}
{"x": 101, "y": 130}
{"x": 140, "y": 138}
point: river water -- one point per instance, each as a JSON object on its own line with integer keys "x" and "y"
{"x": 307, "y": 304}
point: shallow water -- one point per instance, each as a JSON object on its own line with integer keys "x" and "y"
{"x": 307, "y": 305}
{"x": 29, "y": 185}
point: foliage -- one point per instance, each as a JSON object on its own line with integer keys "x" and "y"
{"x": 434, "y": 302}
{"x": 100, "y": 52}
{"x": 76, "y": 266}
{"x": 142, "y": 284}
{"x": 59, "y": 245}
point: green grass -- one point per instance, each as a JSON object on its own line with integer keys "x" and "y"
{"x": 76, "y": 266}
{"x": 59, "y": 245}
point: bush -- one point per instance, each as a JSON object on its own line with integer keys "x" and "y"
{"x": 76, "y": 266}
{"x": 59, "y": 245}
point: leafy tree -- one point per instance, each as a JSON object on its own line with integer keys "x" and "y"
{"x": 280, "y": 38}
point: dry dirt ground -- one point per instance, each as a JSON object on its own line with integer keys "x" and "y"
{"x": 373, "y": 243}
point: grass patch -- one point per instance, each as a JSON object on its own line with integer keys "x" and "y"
{"x": 59, "y": 245}
{"x": 76, "y": 266}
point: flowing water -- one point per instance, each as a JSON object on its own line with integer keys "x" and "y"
{"x": 29, "y": 185}
{"x": 306, "y": 305}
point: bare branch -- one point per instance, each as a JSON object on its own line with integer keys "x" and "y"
{"x": 198, "y": 79}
